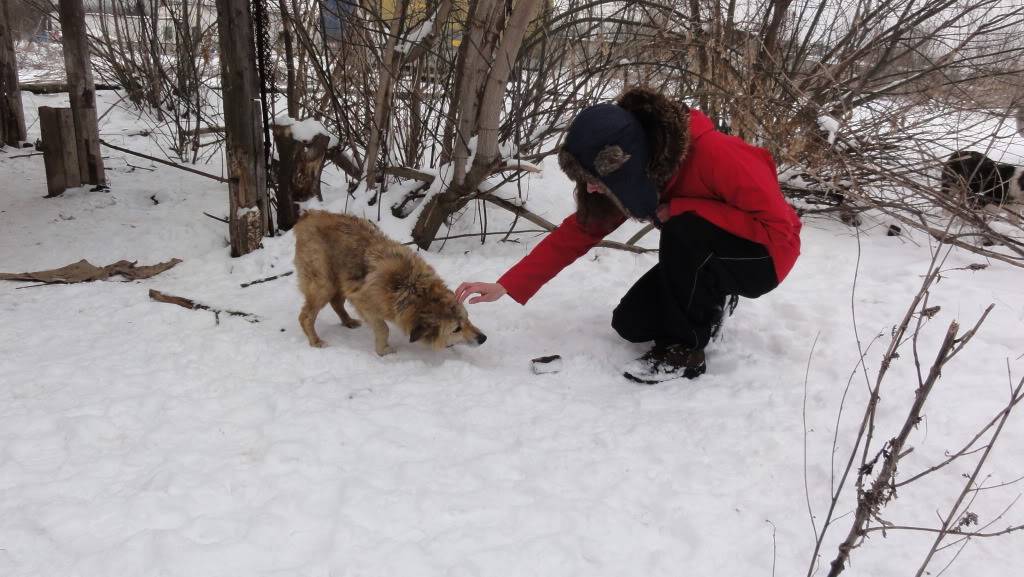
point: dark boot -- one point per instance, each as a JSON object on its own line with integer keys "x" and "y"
{"x": 665, "y": 363}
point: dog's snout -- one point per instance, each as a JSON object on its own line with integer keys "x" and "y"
{"x": 481, "y": 339}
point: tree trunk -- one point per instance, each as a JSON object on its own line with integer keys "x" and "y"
{"x": 183, "y": 53}
{"x": 491, "y": 102}
{"x": 81, "y": 90}
{"x": 154, "y": 55}
{"x": 289, "y": 60}
{"x": 248, "y": 214}
{"x": 298, "y": 172}
{"x": 382, "y": 102}
{"x": 486, "y": 110}
{"x": 451, "y": 123}
{"x": 482, "y": 33}
{"x": 12, "y": 115}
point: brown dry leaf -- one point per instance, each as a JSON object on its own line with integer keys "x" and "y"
{"x": 85, "y": 271}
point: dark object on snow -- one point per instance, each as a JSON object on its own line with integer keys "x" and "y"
{"x": 976, "y": 180}
{"x": 548, "y": 364}
{"x": 665, "y": 363}
{"x": 85, "y": 271}
{"x": 894, "y": 230}
{"x": 269, "y": 278}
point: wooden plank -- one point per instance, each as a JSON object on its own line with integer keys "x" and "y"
{"x": 69, "y": 148}
{"x": 60, "y": 151}
{"x": 52, "y": 159}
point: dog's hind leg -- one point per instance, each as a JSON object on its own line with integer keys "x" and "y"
{"x": 338, "y": 304}
{"x": 307, "y": 318}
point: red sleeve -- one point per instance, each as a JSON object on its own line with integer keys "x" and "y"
{"x": 558, "y": 250}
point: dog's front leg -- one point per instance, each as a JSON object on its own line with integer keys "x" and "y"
{"x": 380, "y": 336}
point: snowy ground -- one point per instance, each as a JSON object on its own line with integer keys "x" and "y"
{"x": 139, "y": 438}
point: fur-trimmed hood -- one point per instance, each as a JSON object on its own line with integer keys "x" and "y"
{"x": 596, "y": 155}
{"x": 667, "y": 125}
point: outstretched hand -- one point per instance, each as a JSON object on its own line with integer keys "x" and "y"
{"x": 488, "y": 291}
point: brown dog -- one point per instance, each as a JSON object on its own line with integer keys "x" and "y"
{"x": 340, "y": 257}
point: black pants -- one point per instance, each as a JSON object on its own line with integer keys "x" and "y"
{"x": 681, "y": 300}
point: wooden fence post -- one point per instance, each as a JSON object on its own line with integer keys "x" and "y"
{"x": 60, "y": 149}
{"x": 248, "y": 202}
{"x": 12, "y": 115}
{"x": 81, "y": 90}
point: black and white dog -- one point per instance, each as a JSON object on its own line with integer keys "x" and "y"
{"x": 978, "y": 181}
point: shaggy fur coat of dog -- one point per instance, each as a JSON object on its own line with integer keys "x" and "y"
{"x": 339, "y": 257}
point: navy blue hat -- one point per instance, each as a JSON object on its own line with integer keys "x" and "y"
{"x": 607, "y": 144}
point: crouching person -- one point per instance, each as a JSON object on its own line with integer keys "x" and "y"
{"x": 726, "y": 230}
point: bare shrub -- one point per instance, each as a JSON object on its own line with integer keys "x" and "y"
{"x": 873, "y": 469}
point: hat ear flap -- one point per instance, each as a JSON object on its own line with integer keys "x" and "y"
{"x": 610, "y": 159}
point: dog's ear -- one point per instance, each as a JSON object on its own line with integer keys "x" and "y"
{"x": 421, "y": 330}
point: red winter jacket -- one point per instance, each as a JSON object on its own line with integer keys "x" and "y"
{"x": 721, "y": 178}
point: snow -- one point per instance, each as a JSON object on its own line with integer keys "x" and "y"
{"x": 538, "y": 132}
{"x": 306, "y": 130}
{"x": 829, "y": 125}
{"x": 241, "y": 212}
{"x": 140, "y": 438}
{"x": 522, "y": 164}
{"x": 418, "y": 34}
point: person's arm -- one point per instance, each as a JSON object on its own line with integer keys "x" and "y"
{"x": 558, "y": 250}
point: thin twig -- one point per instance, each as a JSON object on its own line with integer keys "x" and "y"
{"x": 962, "y": 452}
{"x": 217, "y": 218}
{"x": 193, "y": 305}
{"x": 945, "y": 531}
{"x": 947, "y": 522}
{"x": 803, "y": 416}
{"x": 167, "y": 162}
{"x": 549, "y": 226}
{"x": 268, "y": 279}
{"x": 479, "y": 234}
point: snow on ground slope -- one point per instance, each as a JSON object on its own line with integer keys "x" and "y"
{"x": 139, "y": 438}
